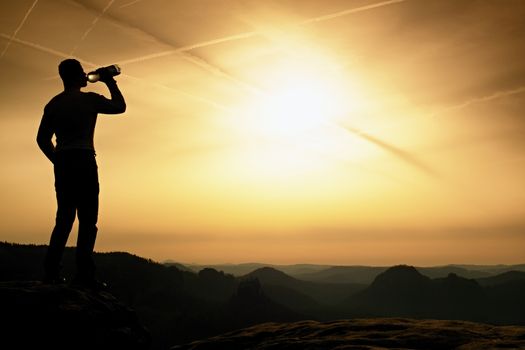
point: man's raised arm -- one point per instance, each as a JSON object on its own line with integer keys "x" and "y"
{"x": 116, "y": 104}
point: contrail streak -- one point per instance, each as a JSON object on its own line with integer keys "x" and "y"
{"x": 396, "y": 151}
{"x": 18, "y": 28}
{"x": 246, "y": 35}
{"x": 147, "y": 57}
{"x": 86, "y": 33}
{"x": 45, "y": 49}
{"x": 350, "y": 11}
{"x": 129, "y": 4}
{"x": 486, "y": 98}
{"x": 218, "y": 41}
{"x": 190, "y": 47}
{"x": 196, "y": 60}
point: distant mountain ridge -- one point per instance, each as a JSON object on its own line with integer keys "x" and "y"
{"x": 354, "y": 274}
{"x": 245, "y": 268}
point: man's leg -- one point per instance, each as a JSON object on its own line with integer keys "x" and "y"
{"x": 87, "y": 221}
{"x": 64, "y": 222}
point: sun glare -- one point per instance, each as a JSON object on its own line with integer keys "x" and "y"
{"x": 297, "y": 107}
{"x": 291, "y": 128}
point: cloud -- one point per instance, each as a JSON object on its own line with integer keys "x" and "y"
{"x": 45, "y": 49}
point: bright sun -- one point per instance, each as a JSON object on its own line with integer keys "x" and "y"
{"x": 291, "y": 129}
{"x": 297, "y": 107}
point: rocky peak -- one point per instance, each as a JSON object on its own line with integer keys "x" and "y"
{"x": 40, "y": 316}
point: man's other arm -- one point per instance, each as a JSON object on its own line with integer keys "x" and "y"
{"x": 44, "y": 138}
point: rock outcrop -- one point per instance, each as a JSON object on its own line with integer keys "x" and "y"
{"x": 39, "y": 316}
{"x": 367, "y": 334}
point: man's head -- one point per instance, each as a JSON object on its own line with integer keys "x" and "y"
{"x": 72, "y": 73}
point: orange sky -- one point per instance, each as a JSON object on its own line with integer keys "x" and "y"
{"x": 334, "y": 131}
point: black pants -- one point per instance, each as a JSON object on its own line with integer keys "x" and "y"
{"x": 77, "y": 189}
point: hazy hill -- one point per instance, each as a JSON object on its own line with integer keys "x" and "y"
{"x": 210, "y": 284}
{"x": 444, "y": 271}
{"x": 285, "y": 290}
{"x": 502, "y": 278}
{"x": 250, "y": 305}
{"x": 493, "y": 269}
{"x": 399, "y": 291}
{"x": 320, "y": 293}
{"x": 179, "y": 266}
{"x": 344, "y": 274}
{"x": 459, "y": 298}
{"x": 402, "y": 291}
{"x": 506, "y": 302}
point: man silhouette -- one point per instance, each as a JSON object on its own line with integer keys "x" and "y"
{"x": 71, "y": 116}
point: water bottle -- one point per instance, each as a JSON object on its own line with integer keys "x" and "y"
{"x": 112, "y": 70}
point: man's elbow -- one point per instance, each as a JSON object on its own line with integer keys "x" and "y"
{"x": 119, "y": 108}
{"x": 44, "y": 144}
{"x": 40, "y": 141}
